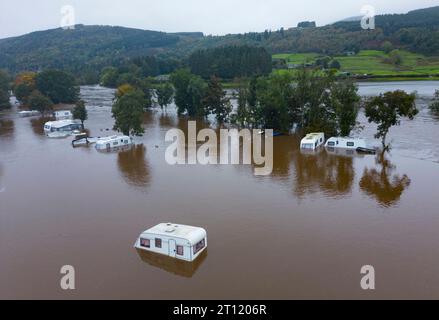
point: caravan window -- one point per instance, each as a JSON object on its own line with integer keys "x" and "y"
{"x": 158, "y": 243}
{"x": 180, "y": 250}
{"x": 350, "y": 144}
{"x": 146, "y": 243}
{"x": 199, "y": 246}
{"x": 331, "y": 143}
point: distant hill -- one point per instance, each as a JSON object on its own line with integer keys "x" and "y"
{"x": 86, "y": 50}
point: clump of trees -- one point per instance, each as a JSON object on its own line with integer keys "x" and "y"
{"x": 128, "y": 110}
{"x": 387, "y": 110}
{"x": 138, "y": 68}
{"x": 216, "y": 101}
{"x": 4, "y": 90}
{"x": 40, "y": 91}
{"x": 387, "y": 47}
{"x": 309, "y": 102}
{"x": 39, "y": 102}
{"x": 195, "y": 97}
{"x": 231, "y": 62}
{"x": 165, "y": 95}
{"x": 58, "y": 85}
{"x": 434, "y": 105}
{"x": 189, "y": 92}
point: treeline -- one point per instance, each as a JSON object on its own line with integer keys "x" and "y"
{"x": 5, "y": 81}
{"x": 40, "y": 91}
{"x": 231, "y": 62}
{"x": 310, "y": 102}
{"x": 134, "y": 69}
{"x": 83, "y": 51}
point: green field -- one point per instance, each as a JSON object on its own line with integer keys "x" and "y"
{"x": 375, "y": 63}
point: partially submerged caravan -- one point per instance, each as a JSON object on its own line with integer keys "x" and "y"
{"x": 63, "y": 115}
{"x": 62, "y": 128}
{"x": 312, "y": 141}
{"x": 353, "y": 144}
{"x": 31, "y": 113}
{"x": 113, "y": 142}
{"x": 173, "y": 240}
{"x": 346, "y": 143}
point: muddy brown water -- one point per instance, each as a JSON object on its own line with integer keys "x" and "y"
{"x": 303, "y": 232}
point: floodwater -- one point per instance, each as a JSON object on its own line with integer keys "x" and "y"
{"x": 303, "y": 232}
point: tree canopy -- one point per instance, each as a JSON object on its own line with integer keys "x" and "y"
{"x": 128, "y": 112}
{"x": 58, "y": 86}
{"x": 386, "y": 110}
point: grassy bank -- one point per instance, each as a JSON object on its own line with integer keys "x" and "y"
{"x": 376, "y": 64}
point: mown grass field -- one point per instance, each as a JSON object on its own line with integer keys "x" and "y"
{"x": 375, "y": 63}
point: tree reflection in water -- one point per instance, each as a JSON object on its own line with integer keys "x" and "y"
{"x": 37, "y": 125}
{"x": 381, "y": 184}
{"x": 332, "y": 174}
{"x": 134, "y": 167}
{"x": 6, "y": 128}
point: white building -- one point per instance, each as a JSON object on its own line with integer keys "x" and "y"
{"x": 173, "y": 240}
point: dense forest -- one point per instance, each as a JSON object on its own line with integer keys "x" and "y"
{"x": 83, "y": 51}
{"x": 231, "y": 62}
{"x": 87, "y": 50}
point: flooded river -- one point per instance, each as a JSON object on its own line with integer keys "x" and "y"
{"x": 303, "y": 232}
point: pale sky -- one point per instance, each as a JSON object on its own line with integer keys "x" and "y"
{"x": 216, "y": 17}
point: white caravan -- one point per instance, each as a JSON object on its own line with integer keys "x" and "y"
{"x": 31, "y": 113}
{"x": 346, "y": 143}
{"x": 312, "y": 141}
{"x": 113, "y": 142}
{"x": 62, "y": 128}
{"x": 63, "y": 115}
{"x": 173, "y": 240}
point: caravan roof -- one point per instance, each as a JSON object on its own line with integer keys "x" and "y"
{"x": 61, "y": 123}
{"x": 191, "y": 234}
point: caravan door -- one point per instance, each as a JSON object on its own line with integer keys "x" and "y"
{"x": 172, "y": 248}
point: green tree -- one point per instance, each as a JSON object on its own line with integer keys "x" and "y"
{"x": 128, "y": 113}
{"x": 216, "y": 101}
{"x": 5, "y": 80}
{"x": 274, "y": 97}
{"x": 242, "y": 114}
{"x": 4, "y": 100}
{"x": 109, "y": 77}
{"x": 434, "y": 105}
{"x": 335, "y": 64}
{"x": 386, "y": 110}
{"x": 387, "y": 47}
{"x": 189, "y": 92}
{"x": 58, "y": 85}
{"x": 311, "y": 106}
{"x": 4, "y": 90}
{"x": 24, "y": 85}
{"x": 395, "y": 57}
{"x": 39, "y": 102}
{"x": 165, "y": 93}
{"x": 345, "y": 103}
{"x": 80, "y": 112}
